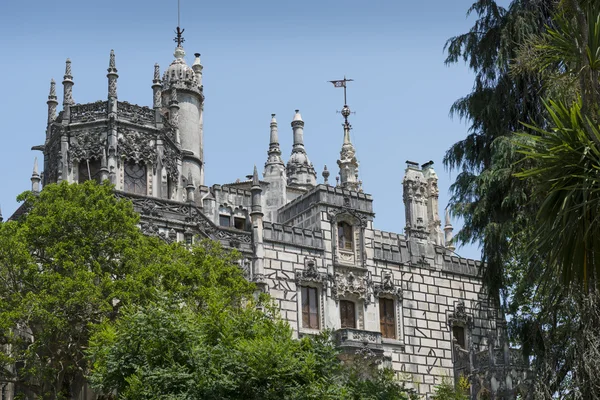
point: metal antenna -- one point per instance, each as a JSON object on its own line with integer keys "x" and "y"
{"x": 178, "y": 13}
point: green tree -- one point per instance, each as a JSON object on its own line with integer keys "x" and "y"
{"x": 225, "y": 351}
{"x": 75, "y": 259}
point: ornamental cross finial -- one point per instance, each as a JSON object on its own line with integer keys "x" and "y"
{"x": 179, "y": 38}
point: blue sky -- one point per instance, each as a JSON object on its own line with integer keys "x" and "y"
{"x": 259, "y": 57}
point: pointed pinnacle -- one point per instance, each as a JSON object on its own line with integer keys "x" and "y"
{"x": 112, "y": 67}
{"x": 255, "y": 180}
{"x": 68, "y": 75}
{"x": 35, "y": 167}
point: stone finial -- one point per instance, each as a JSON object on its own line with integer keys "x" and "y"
{"x": 325, "y": 175}
{"x": 52, "y": 102}
{"x": 112, "y": 67}
{"x": 68, "y": 73}
{"x": 255, "y": 180}
{"x": 68, "y": 85}
{"x": 35, "y": 178}
{"x": 156, "y": 73}
{"x": 52, "y": 95}
{"x": 112, "y": 76}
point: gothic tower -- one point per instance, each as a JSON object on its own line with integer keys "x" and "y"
{"x": 182, "y": 93}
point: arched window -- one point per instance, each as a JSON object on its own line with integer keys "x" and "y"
{"x": 347, "y": 314}
{"x": 89, "y": 170}
{"x": 345, "y": 241}
{"x": 135, "y": 178}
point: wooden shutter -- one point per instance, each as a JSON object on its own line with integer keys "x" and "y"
{"x": 387, "y": 320}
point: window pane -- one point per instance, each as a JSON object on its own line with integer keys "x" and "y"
{"x": 135, "y": 178}
{"x": 224, "y": 220}
{"x": 93, "y": 173}
{"x": 310, "y": 308}
{"x": 239, "y": 223}
{"x": 347, "y": 314}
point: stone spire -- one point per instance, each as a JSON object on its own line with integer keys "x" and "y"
{"x": 300, "y": 171}
{"x": 157, "y": 88}
{"x": 35, "y": 178}
{"x": 112, "y": 77}
{"x": 190, "y": 188}
{"x": 68, "y": 85}
{"x": 348, "y": 163}
{"x": 52, "y": 102}
{"x": 275, "y": 174}
{"x": 274, "y": 153}
{"x": 448, "y": 232}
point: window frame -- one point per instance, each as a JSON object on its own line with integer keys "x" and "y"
{"x": 345, "y": 236}
{"x": 385, "y": 305}
{"x": 344, "y": 314}
{"x": 222, "y": 218}
{"x": 463, "y": 336}
{"x": 310, "y": 312}
{"x": 130, "y": 181}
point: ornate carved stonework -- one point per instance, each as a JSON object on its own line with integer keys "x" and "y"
{"x": 388, "y": 287}
{"x": 54, "y": 155}
{"x": 134, "y": 113}
{"x": 87, "y": 144}
{"x": 335, "y": 213}
{"x": 310, "y": 273}
{"x": 136, "y": 146}
{"x": 89, "y": 112}
{"x": 460, "y": 316}
{"x": 347, "y": 284}
{"x": 170, "y": 160}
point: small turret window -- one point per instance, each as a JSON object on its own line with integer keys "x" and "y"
{"x": 135, "y": 178}
{"x": 345, "y": 236}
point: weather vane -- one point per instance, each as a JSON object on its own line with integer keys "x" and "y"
{"x": 346, "y": 110}
{"x": 179, "y": 39}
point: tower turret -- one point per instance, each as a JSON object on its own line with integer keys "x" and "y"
{"x": 181, "y": 86}
{"x": 300, "y": 171}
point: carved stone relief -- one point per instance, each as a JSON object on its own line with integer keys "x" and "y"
{"x": 87, "y": 144}
{"x": 387, "y": 286}
{"x": 136, "y": 146}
